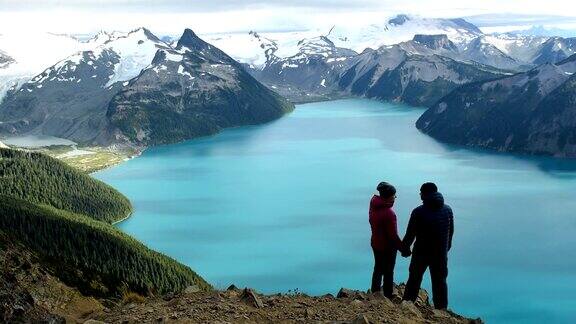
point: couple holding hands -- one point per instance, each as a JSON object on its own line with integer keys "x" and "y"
{"x": 430, "y": 229}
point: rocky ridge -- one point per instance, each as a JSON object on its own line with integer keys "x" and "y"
{"x": 247, "y": 306}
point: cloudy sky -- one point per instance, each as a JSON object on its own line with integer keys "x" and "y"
{"x": 206, "y": 16}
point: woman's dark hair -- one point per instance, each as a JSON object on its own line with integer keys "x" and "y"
{"x": 386, "y": 190}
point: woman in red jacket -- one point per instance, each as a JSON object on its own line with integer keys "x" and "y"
{"x": 385, "y": 241}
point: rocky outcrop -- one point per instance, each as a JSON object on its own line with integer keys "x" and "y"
{"x": 29, "y": 293}
{"x": 235, "y": 305}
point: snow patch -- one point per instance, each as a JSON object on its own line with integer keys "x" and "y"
{"x": 173, "y": 57}
{"x": 136, "y": 52}
{"x": 185, "y": 73}
{"x": 289, "y": 65}
{"x": 336, "y": 59}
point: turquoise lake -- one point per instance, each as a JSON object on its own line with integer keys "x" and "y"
{"x": 284, "y": 206}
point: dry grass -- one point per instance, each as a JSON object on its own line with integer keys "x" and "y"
{"x": 132, "y": 297}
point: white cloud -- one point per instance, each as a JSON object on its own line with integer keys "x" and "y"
{"x": 172, "y": 16}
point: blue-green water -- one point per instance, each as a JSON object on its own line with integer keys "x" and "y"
{"x": 283, "y": 206}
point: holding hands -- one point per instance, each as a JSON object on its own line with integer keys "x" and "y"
{"x": 405, "y": 251}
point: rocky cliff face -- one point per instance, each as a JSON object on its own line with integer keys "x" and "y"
{"x": 531, "y": 112}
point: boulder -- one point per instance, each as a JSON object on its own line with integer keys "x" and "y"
{"x": 191, "y": 289}
{"x": 422, "y": 299}
{"x": 411, "y": 309}
{"x": 349, "y": 293}
{"x": 249, "y": 296}
{"x": 361, "y": 319}
{"x": 356, "y": 303}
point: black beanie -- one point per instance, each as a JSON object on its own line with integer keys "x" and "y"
{"x": 428, "y": 188}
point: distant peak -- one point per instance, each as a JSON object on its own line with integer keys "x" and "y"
{"x": 434, "y": 41}
{"x": 146, "y": 33}
{"x": 191, "y": 40}
{"x": 466, "y": 25}
{"x": 399, "y": 20}
{"x": 101, "y": 34}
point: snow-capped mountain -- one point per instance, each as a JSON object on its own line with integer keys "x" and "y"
{"x": 314, "y": 68}
{"x": 256, "y": 48}
{"x": 5, "y": 60}
{"x": 400, "y": 29}
{"x": 554, "y": 50}
{"x": 418, "y": 71}
{"x": 31, "y": 54}
{"x": 522, "y": 48}
{"x": 394, "y": 73}
{"x": 482, "y": 51}
{"x": 193, "y": 89}
{"x": 534, "y": 50}
{"x": 69, "y": 98}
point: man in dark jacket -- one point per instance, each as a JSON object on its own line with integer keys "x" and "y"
{"x": 384, "y": 241}
{"x": 432, "y": 226}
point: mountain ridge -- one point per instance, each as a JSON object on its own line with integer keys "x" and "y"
{"x": 528, "y": 112}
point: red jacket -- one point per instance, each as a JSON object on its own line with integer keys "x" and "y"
{"x": 384, "y": 227}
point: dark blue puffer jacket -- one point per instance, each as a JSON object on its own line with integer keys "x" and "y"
{"x": 432, "y": 226}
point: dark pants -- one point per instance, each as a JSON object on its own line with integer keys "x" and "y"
{"x": 384, "y": 262}
{"x": 438, "y": 273}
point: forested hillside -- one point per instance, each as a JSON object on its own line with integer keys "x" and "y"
{"x": 37, "y": 178}
{"x": 93, "y": 256}
{"x": 64, "y": 216}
